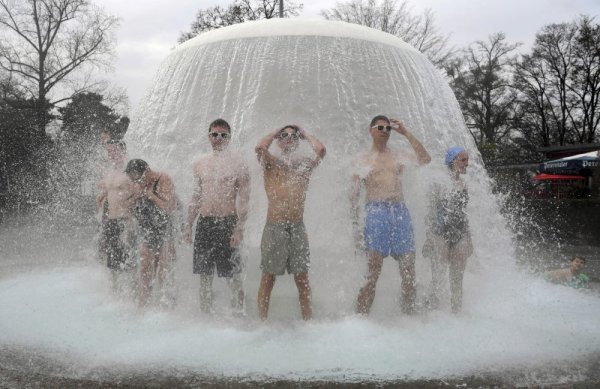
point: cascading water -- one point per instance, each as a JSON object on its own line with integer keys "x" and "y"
{"x": 331, "y": 78}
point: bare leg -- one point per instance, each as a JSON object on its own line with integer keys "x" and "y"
{"x": 303, "y": 286}
{"x": 366, "y": 295}
{"x": 147, "y": 271}
{"x": 237, "y": 293}
{"x": 407, "y": 272}
{"x": 264, "y": 294}
{"x": 206, "y": 295}
{"x": 162, "y": 265}
{"x": 114, "y": 276}
{"x": 457, "y": 262}
{"x": 439, "y": 264}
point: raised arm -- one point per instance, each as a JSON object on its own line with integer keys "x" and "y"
{"x": 423, "y": 156}
{"x": 316, "y": 145}
{"x": 262, "y": 148}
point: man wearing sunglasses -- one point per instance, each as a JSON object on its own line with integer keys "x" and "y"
{"x": 388, "y": 227}
{"x": 220, "y": 203}
{"x": 284, "y": 244}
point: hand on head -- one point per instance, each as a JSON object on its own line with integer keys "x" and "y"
{"x": 398, "y": 126}
{"x": 301, "y": 132}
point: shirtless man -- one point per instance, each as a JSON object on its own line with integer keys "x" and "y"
{"x": 568, "y": 275}
{"x": 284, "y": 244}
{"x": 153, "y": 203}
{"x": 115, "y": 189}
{"x": 220, "y": 199}
{"x": 388, "y": 227}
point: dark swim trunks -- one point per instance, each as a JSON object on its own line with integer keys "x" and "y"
{"x": 388, "y": 229}
{"x": 115, "y": 249}
{"x": 212, "y": 247}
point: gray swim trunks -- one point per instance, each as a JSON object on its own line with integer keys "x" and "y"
{"x": 284, "y": 246}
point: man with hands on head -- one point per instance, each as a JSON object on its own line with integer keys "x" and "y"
{"x": 388, "y": 227}
{"x": 284, "y": 244}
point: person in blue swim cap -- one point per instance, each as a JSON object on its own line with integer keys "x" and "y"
{"x": 448, "y": 242}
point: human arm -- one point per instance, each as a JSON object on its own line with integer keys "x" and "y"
{"x": 164, "y": 197}
{"x": 193, "y": 208}
{"x": 262, "y": 148}
{"x": 429, "y": 246}
{"x": 102, "y": 193}
{"x": 316, "y": 145}
{"x": 423, "y": 156}
{"x": 243, "y": 198}
{"x": 356, "y": 184}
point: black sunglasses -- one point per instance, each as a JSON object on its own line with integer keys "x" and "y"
{"x": 223, "y": 135}
{"x": 381, "y": 128}
{"x": 284, "y": 134}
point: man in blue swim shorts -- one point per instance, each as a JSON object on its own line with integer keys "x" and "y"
{"x": 388, "y": 227}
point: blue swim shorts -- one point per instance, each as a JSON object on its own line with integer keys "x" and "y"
{"x": 388, "y": 229}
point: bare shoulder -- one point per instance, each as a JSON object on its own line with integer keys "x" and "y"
{"x": 404, "y": 155}
{"x": 164, "y": 179}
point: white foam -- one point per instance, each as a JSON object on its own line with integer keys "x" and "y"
{"x": 295, "y": 27}
{"x": 509, "y": 323}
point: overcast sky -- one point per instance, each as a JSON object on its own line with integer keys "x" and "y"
{"x": 150, "y": 28}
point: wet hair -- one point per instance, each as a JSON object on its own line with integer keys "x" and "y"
{"x": 136, "y": 167}
{"x": 219, "y": 123}
{"x": 117, "y": 142}
{"x": 292, "y": 126}
{"x": 378, "y": 118}
{"x": 578, "y": 257}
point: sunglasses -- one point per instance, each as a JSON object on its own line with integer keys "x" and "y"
{"x": 284, "y": 135}
{"x": 223, "y": 135}
{"x": 381, "y": 128}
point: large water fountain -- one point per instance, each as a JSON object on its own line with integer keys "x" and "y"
{"x": 331, "y": 78}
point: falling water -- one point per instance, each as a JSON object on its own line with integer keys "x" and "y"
{"x": 331, "y": 78}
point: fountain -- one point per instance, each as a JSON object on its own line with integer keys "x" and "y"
{"x": 331, "y": 78}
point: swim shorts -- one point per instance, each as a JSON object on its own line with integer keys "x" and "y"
{"x": 284, "y": 246}
{"x": 115, "y": 249}
{"x": 212, "y": 247}
{"x": 388, "y": 229}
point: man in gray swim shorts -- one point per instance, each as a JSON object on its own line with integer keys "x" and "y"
{"x": 284, "y": 243}
{"x": 284, "y": 246}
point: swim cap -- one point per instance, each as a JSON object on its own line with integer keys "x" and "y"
{"x": 452, "y": 153}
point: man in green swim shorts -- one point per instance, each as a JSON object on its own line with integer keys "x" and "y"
{"x": 284, "y": 244}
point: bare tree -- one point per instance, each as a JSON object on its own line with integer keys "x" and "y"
{"x": 546, "y": 79}
{"x": 481, "y": 78}
{"x": 587, "y": 78}
{"x": 396, "y": 18}
{"x": 45, "y": 42}
{"x": 239, "y": 11}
